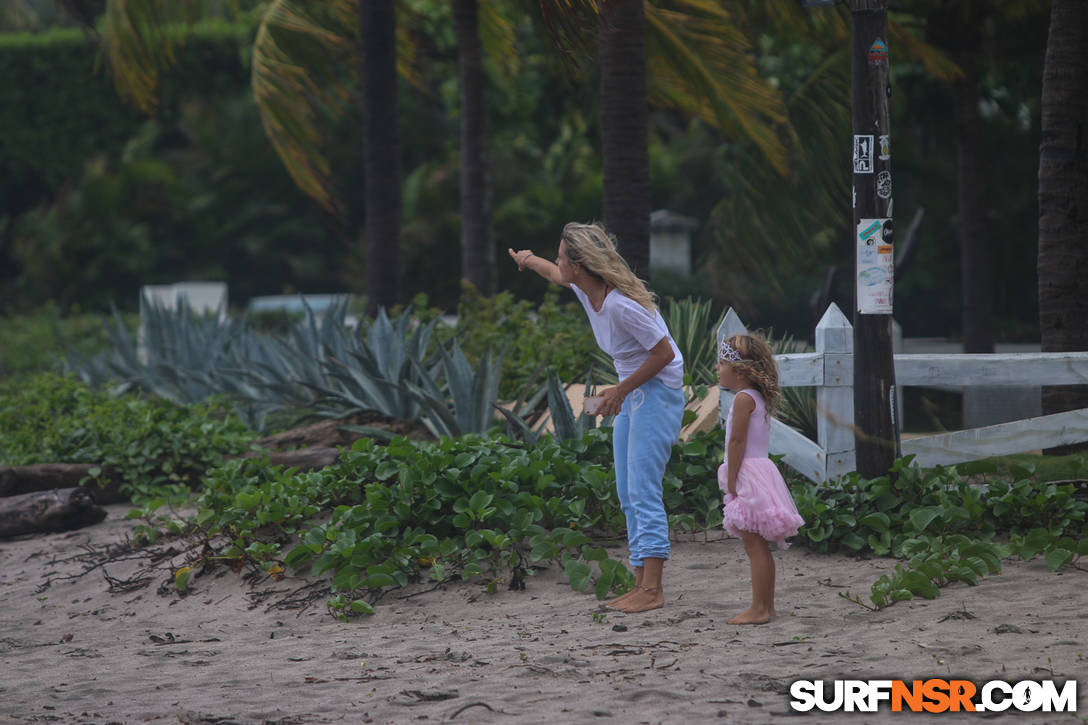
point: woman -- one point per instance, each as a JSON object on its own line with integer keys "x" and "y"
{"x": 648, "y": 402}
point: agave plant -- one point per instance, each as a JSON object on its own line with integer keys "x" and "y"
{"x": 271, "y": 374}
{"x": 176, "y": 356}
{"x": 565, "y": 425}
{"x": 375, "y": 372}
{"x": 693, "y": 327}
{"x": 471, "y": 394}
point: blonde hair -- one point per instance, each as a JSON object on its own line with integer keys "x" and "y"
{"x": 757, "y": 366}
{"x": 595, "y": 250}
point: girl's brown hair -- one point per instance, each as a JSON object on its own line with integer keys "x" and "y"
{"x": 757, "y": 365}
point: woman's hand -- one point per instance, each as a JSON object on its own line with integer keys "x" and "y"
{"x": 611, "y": 401}
{"x": 520, "y": 257}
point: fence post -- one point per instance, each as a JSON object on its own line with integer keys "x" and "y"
{"x": 835, "y": 398}
{"x": 897, "y": 348}
{"x": 731, "y": 325}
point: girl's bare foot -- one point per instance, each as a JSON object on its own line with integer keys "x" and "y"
{"x": 642, "y": 599}
{"x": 752, "y": 616}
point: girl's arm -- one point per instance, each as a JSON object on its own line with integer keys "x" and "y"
{"x": 525, "y": 258}
{"x": 743, "y": 405}
{"x": 612, "y": 399}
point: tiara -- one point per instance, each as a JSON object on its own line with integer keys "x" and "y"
{"x": 728, "y": 352}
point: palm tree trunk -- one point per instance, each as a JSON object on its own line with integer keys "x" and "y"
{"x": 381, "y": 163}
{"x": 976, "y": 250}
{"x": 626, "y": 157}
{"x": 1063, "y": 197}
{"x": 477, "y": 248}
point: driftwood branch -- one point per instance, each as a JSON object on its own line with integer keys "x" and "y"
{"x": 20, "y": 480}
{"x": 305, "y": 459}
{"x": 315, "y": 446}
{"x": 47, "y": 511}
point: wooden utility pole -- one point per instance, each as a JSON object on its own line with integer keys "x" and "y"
{"x": 876, "y": 429}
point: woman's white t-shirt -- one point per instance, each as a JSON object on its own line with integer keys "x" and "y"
{"x": 627, "y": 331}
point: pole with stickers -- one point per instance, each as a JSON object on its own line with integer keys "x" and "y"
{"x": 876, "y": 429}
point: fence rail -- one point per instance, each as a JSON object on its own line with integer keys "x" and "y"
{"x": 831, "y": 371}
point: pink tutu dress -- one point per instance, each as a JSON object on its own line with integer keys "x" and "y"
{"x": 763, "y": 504}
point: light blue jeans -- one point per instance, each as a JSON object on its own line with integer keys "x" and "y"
{"x": 642, "y": 438}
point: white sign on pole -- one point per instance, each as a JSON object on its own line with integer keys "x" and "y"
{"x": 875, "y": 267}
{"x": 863, "y": 154}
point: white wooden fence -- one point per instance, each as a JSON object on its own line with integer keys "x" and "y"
{"x": 831, "y": 370}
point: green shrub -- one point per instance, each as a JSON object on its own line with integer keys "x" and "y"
{"x": 144, "y": 443}
{"x": 40, "y": 341}
{"x": 533, "y": 336}
{"x": 58, "y": 109}
{"x": 475, "y": 507}
{"x": 944, "y": 522}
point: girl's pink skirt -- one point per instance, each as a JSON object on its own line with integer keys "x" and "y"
{"x": 763, "y": 503}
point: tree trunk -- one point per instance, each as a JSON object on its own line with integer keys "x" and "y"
{"x": 626, "y": 157}
{"x": 477, "y": 248}
{"x": 47, "y": 511}
{"x": 1063, "y": 198}
{"x": 381, "y": 137}
{"x": 976, "y": 250}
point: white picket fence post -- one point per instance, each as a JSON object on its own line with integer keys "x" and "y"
{"x": 835, "y": 397}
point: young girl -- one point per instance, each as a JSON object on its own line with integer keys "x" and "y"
{"x": 758, "y": 506}
{"x": 648, "y": 402}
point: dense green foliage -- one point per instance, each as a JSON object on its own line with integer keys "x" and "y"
{"x": 99, "y": 200}
{"x": 409, "y": 368}
{"x": 202, "y": 194}
{"x": 216, "y": 204}
{"x": 40, "y": 341}
{"x": 945, "y": 525}
{"x": 58, "y": 109}
{"x": 470, "y": 507}
{"x": 530, "y": 335}
{"x": 142, "y": 443}
{"x": 485, "y": 507}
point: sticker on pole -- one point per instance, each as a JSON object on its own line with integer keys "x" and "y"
{"x": 885, "y": 147}
{"x": 863, "y": 154}
{"x": 875, "y": 267}
{"x": 878, "y": 52}
{"x": 884, "y": 185}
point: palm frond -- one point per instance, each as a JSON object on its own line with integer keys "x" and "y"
{"x": 764, "y": 217}
{"x": 298, "y": 60}
{"x": 573, "y": 27}
{"x": 140, "y": 37}
{"x": 704, "y": 63}
{"x": 497, "y": 38}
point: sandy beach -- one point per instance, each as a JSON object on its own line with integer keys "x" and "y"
{"x": 243, "y": 651}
